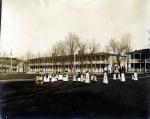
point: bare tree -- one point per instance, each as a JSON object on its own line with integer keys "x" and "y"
{"x": 28, "y": 56}
{"x": 55, "y": 51}
{"x": 48, "y": 53}
{"x": 82, "y": 49}
{"x": 62, "y": 51}
{"x": 93, "y": 48}
{"x": 71, "y": 44}
{"x": 121, "y": 47}
{"x": 61, "y": 48}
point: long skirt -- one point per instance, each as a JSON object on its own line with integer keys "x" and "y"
{"x": 118, "y": 75}
{"x": 53, "y": 79}
{"x": 45, "y": 79}
{"x": 60, "y": 77}
{"x": 79, "y": 79}
{"x": 114, "y": 76}
{"x": 122, "y": 77}
{"x": 92, "y": 77}
{"x": 82, "y": 79}
{"x": 87, "y": 80}
{"x": 105, "y": 79}
{"x": 74, "y": 78}
{"x": 65, "y": 78}
{"x": 95, "y": 78}
{"x": 135, "y": 77}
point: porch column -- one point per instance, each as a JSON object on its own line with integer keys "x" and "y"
{"x": 134, "y": 62}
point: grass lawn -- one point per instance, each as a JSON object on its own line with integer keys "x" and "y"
{"x": 74, "y": 99}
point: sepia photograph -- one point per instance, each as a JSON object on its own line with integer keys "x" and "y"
{"x": 74, "y": 59}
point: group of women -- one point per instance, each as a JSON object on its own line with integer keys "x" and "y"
{"x": 118, "y": 74}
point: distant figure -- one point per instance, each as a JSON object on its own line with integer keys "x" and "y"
{"x": 87, "y": 77}
{"x": 60, "y": 77}
{"x": 114, "y": 74}
{"x": 53, "y": 78}
{"x": 122, "y": 74}
{"x": 56, "y": 77}
{"x": 118, "y": 72}
{"x": 50, "y": 77}
{"x": 46, "y": 78}
{"x": 82, "y": 77}
{"x": 135, "y": 76}
{"x": 95, "y": 77}
{"x": 92, "y": 77}
{"x": 79, "y": 76}
{"x": 109, "y": 69}
{"x": 105, "y": 79}
{"x": 74, "y": 77}
{"x": 39, "y": 80}
{"x": 65, "y": 77}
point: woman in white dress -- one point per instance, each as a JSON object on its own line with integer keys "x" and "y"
{"x": 105, "y": 79}
{"x": 122, "y": 74}
{"x": 79, "y": 76}
{"x": 95, "y": 77}
{"x": 135, "y": 76}
{"x": 87, "y": 80}
{"x": 50, "y": 77}
{"x": 114, "y": 74}
{"x": 56, "y": 77}
{"x": 118, "y": 72}
{"x": 65, "y": 77}
{"x": 53, "y": 78}
{"x": 82, "y": 78}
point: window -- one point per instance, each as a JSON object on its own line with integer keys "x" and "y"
{"x": 132, "y": 65}
{"x": 143, "y": 56}
{"x": 147, "y": 55}
{"x": 137, "y": 65}
{"x": 132, "y": 56}
{"x": 147, "y": 66}
{"x": 137, "y": 56}
{"x": 142, "y": 65}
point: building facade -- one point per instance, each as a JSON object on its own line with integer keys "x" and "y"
{"x": 70, "y": 63}
{"x": 9, "y": 65}
{"x": 139, "y": 60}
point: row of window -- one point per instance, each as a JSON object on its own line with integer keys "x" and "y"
{"x": 68, "y": 59}
{"x": 66, "y": 66}
{"x": 142, "y": 65}
{"x": 140, "y": 56}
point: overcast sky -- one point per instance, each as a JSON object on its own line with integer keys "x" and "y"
{"x": 37, "y": 24}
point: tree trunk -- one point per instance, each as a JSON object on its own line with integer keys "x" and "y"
{"x": 118, "y": 60}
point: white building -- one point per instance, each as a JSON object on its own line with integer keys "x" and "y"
{"x": 139, "y": 60}
{"x": 79, "y": 63}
